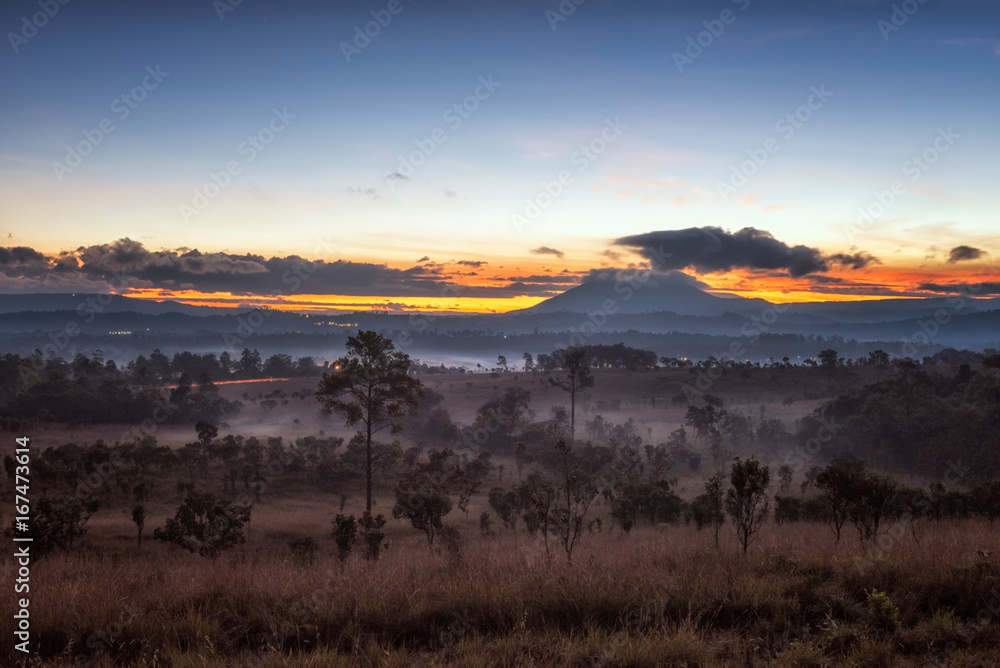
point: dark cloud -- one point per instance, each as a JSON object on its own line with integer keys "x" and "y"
{"x": 128, "y": 264}
{"x": 23, "y": 262}
{"x": 545, "y": 250}
{"x": 853, "y": 261}
{"x": 423, "y": 259}
{"x": 558, "y": 279}
{"x": 863, "y": 291}
{"x": 962, "y": 253}
{"x": 672, "y": 277}
{"x": 475, "y": 264}
{"x": 712, "y": 249}
{"x": 962, "y": 288}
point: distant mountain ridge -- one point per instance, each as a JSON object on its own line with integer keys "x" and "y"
{"x": 622, "y": 297}
{"x": 74, "y": 301}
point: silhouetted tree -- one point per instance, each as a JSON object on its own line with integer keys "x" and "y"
{"x": 576, "y": 363}
{"x": 371, "y": 385}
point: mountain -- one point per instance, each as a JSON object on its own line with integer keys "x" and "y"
{"x": 655, "y": 295}
{"x": 82, "y": 302}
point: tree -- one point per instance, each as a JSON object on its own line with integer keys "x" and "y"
{"x": 707, "y": 508}
{"x": 345, "y": 531}
{"x": 880, "y": 360}
{"x": 576, "y": 494}
{"x": 57, "y": 523}
{"x": 502, "y": 362}
{"x": 784, "y": 477}
{"x": 206, "y": 525}
{"x": 529, "y": 363}
{"x": 502, "y": 419}
{"x": 372, "y": 535}
{"x": 828, "y": 360}
{"x": 874, "y": 504}
{"x": 250, "y": 365}
{"x": 746, "y": 499}
{"x": 576, "y": 363}
{"x": 839, "y": 482}
{"x": 139, "y": 517}
{"x": 207, "y": 432}
{"x": 424, "y": 495}
{"x": 371, "y": 385}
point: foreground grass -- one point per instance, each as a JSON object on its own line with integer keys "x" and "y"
{"x": 654, "y": 597}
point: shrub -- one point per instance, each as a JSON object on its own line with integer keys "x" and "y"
{"x": 486, "y": 523}
{"x": 304, "y": 549}
{"x": 206, "y": 525}
{"x": 345, "y": 532}
{"x": 883, "y": 613}
{"x": 373, "y": 536}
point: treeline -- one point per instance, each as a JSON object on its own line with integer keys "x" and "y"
{"x": 599, "y": 356}
{"x": 919, "y": 421}
{"x": 35, "y": 391}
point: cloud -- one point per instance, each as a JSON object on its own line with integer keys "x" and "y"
{"x": 127, "y": 264}
{"x": 363, "y": 191}
{"x": 962, "y": 288}
{"x": 667, "y": 278}
{"x": 545, "y": 250}
{"x": 855, "y": 261}
{"x": 712, "y": 249}
{"x": 423, "y": 259}
{"x": 475, "y": 264}
{"x": 962, "y": 253}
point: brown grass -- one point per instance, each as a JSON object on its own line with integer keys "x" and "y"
{"x": 654, "y": 597}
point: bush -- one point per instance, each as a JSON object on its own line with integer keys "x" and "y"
{"x": 486, "y": 523}
{"x": 373, "y": 536}
{"x": 206, "y": 525}
{"x": 304, "y": 549}
{"x": 345, "y": 532}
{"x": 883, "y": 613}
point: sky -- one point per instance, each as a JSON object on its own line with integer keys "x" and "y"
{"x": 483, "y": 156}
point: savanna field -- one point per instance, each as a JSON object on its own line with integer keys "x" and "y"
{"x": 670, "y": 590}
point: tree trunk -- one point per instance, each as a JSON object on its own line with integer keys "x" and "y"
{"x": 368, "y": 470}
{"x": 572, "y": 416}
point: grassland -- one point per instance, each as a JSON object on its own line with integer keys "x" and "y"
{"x": 663, "y": 595}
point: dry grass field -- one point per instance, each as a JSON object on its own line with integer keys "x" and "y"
{"x": 661, "y": 595}
{"x": 654, "y": 597}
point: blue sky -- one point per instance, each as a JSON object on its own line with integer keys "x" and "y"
{"x": 324, "y": 174}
